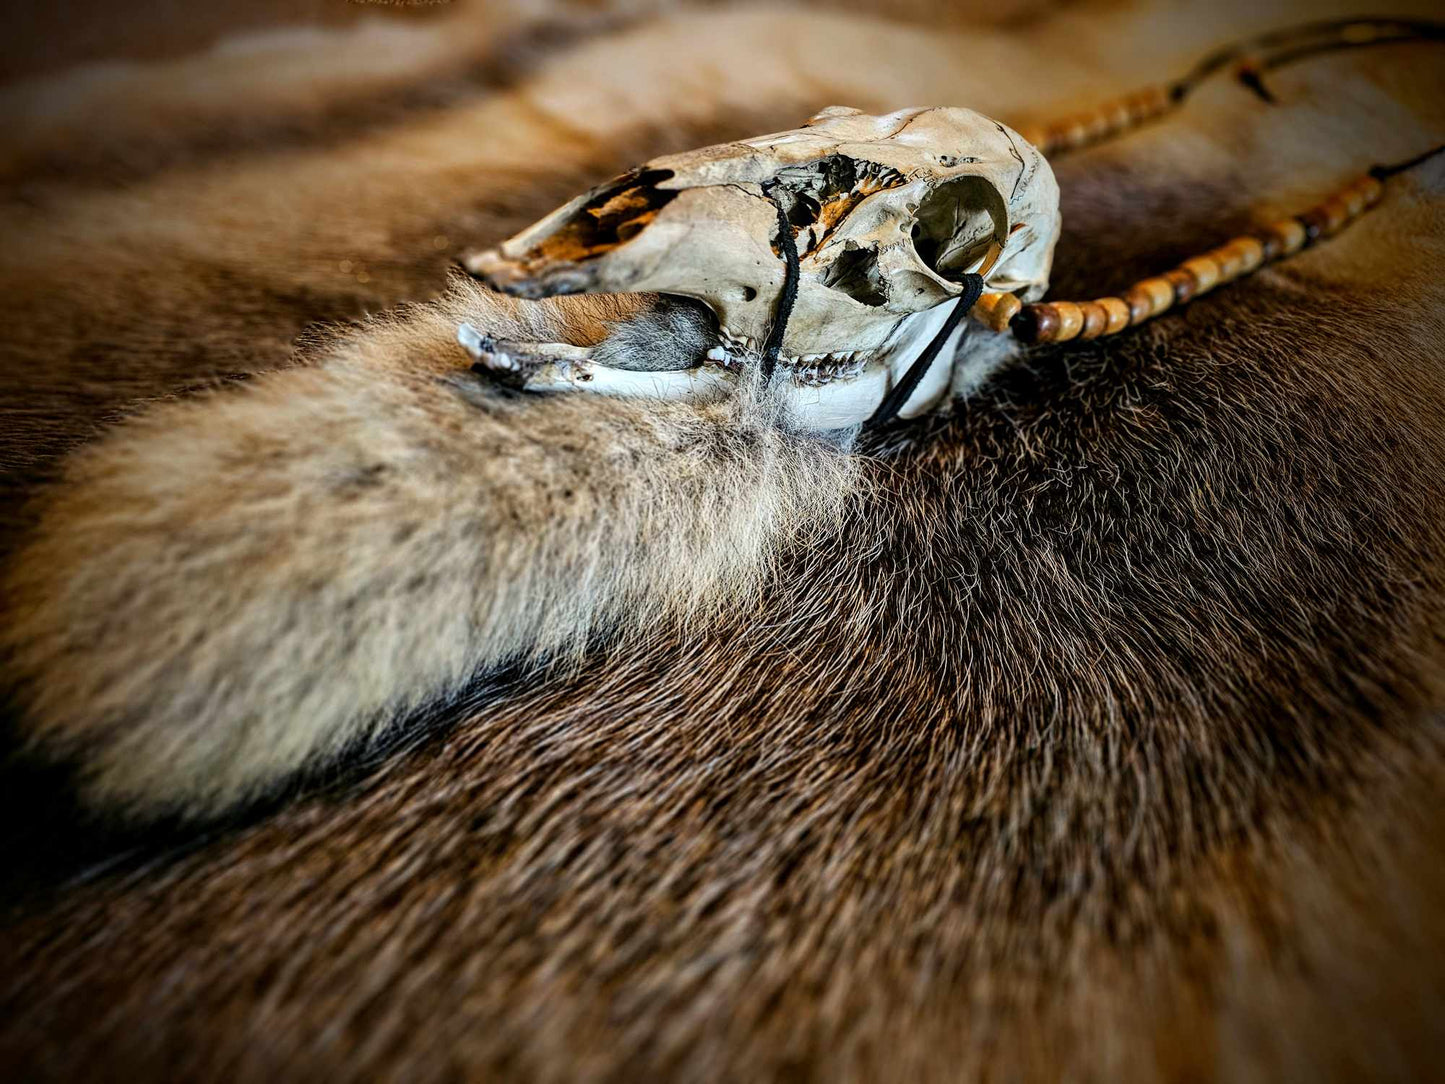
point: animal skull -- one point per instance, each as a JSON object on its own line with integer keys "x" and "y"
{"x": 887, "y": 214}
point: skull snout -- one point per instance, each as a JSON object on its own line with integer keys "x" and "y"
{"x": 558, "y": 254}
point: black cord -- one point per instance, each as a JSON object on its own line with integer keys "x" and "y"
{"x": 893, "y": 402}
{"x": 1307, "y": 39}
{"x": 1384, "y": 173}
{"x": 773, "y": 346}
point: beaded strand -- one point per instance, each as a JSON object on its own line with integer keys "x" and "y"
{"x": 1103, "y": 122}
{"x": 1249, "y": 59}
{"x": 1060, "y": 321}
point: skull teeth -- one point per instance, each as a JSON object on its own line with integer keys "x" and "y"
{"x": 735, "y": 351}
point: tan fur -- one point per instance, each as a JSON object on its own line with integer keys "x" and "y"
{"x": 237, "y": 586}
{"x": 1093, "y": 732}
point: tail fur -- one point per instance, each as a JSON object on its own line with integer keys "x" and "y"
{"x": 227, "y": 590}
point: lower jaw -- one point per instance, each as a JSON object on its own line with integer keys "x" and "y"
{"x": 828, "y": 396}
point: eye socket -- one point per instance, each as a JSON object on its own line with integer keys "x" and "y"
{"x": 956, "y": 224}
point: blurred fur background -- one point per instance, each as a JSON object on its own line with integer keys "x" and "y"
{"x": 1091, "y": 732}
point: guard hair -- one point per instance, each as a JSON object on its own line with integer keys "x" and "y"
{"x": 231, "y": 589}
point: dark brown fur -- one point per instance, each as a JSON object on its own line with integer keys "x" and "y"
{"x": 1102, "y": 741}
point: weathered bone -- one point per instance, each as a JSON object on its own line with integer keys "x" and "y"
{"x": 888, "y": 214}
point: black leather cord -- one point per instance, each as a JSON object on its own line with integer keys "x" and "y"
{"x": 901, "y": 392}
{"x": 773, "y": 346}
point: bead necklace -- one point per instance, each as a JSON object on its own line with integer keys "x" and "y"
{"x": 1061, "y": 321}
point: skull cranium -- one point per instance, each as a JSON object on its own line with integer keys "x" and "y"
{"x": 887, "y": 214}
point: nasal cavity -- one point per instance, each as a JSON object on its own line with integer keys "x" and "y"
{"x": 855, "y": 273}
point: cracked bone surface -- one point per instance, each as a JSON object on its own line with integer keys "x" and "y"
{"x": 887, "y": 213}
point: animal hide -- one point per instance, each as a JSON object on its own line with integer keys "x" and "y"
{"x": 369, "y": 721}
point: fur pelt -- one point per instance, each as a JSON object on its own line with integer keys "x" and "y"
{"x": 1091, "y": 731}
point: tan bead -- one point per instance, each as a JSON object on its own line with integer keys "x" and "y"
{"x": 1251, "y": 253}
{"x": 1229, "y": 262}
{"x": 1097, "y": 125}
{"x": 1116, "y": 314}
{"x": 1371, "y": 188}
{"x": 1071, "y": 320}
{"x": 1138, "y": 104}
{"x": 1205, "y": 270}
{"x": 1183, "y": 281}
{"x": 1160, "y": 291}
{"x": 1119, "y": 115}
{"x": 1291, "y": 235}
{"x": 1150, "y": 102}
{"x": 1336, "y": 213}
{"x": 1354, "y": 200}
{"x": 1140, "y": 302}
{"x": 996, "y": 310}
{"x": 1094, "y": 320}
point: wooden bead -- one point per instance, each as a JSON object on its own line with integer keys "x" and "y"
{"x": 1139, "y": 107}
{"x": 1141, "y": 304}
{"x": 1036, "y": 324}
{"x": 1336, "y": 213}
{"x": 1251, "y": 252}
{"x": 1205, "y": 271}
{"x": 1371, "y": 188}
{"x": 1096, "y": 125}
{"x": 1291, "y": 234}
{"x": 1116, "y": 312}
{"x": 1354, "y": 200}
{"x": 1229, "y": 261}
{"x": 1270, "y": 246}
{"x": 1184, "y": 283}
{"x": 1095, "y": 319}
{"x": 996, "y": 310}
{"x": 1161, "y": 292}
{"x": 1119, "y": 116}
{"x": 1152, "y": 102}
{"x": 1071, "y": 320}
{"x": 1003, "y": 313}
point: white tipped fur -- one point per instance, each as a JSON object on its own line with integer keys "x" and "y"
{"x": 227, "y": 590}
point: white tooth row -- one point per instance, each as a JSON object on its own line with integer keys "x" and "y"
{"x": 737, "y": 350}
{"x": 725, "y": 358}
